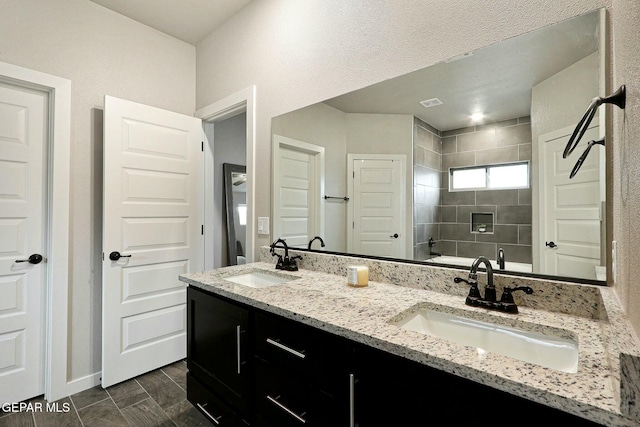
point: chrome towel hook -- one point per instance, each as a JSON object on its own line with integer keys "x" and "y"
{"x": 619, "y": 98}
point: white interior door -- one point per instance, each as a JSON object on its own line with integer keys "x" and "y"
{"x": 570, "y": 211}
{"x": 378, "y": 205}
{"x": 153, "y": 218}
{"x": 22, "y": 234}
{"x": 298, "y": 171}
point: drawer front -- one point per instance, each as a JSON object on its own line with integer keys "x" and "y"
{"x": 213, "y": 408}
{"x": 283, "y": 399}
{"x": 314, "y": 354}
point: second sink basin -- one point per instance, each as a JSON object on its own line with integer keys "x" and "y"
{"x": 259, "y": 279}
{"x": 533, "y": 347}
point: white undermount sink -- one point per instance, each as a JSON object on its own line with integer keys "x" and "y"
{"x": 549, "y": 351}
{"x": 259, "y": 279}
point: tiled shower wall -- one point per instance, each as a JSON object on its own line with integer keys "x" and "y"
{"x": 501, "y": 142}
{"x": 427, "y": 167}
{"x": 446, "y": 216}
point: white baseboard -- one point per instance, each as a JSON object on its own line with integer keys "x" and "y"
{"x": 82, "y": 384}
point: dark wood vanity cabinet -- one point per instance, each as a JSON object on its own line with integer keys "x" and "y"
{"x": 219, "y": 356}
{"x": 392, "y": 390}
{"x": 248, "y": 367}
{"x": 302, "y": 374}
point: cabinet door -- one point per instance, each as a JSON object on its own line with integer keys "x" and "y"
{"x": 218, "y": 347}
{"x": 391, "y": 390}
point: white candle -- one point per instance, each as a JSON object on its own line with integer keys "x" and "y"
{"x": 358, "y": 275}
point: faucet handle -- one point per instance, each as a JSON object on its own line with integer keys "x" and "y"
{"x": 470, "y": 282}
{"x": 280, "y": 263}
{"x": 507, "y": 293}
{"x": 474, "y": 292}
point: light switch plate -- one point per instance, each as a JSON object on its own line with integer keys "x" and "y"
{"x": 263, "y": 225}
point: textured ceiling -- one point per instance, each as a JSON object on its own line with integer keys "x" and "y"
{"x": 187, "y": 20}
{"x": 496, "y": 80}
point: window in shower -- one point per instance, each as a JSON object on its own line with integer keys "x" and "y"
{"x": 501, "y": 176}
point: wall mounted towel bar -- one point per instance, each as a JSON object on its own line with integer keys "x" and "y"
{"x": 346, "y": 199}
{"x": 618, "y": 98}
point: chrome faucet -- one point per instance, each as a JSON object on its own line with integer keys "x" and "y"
{"x": 490, "y": 289}
{"x": 501, "y": 259}
{"x": 316, "y": 238}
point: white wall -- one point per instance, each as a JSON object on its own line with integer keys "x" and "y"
{"x": 300, "y": 53}
{"x": 348, "y": 133}
{"x": 626, "y": 155}
{"x": 556, "y": 103}
{"x": 297, "y": 53}
{"x": 562, "y": 99}
{"x": 101, "y": 52}
{"x": 325, "y": 126}
{"x": 386, "y": 134}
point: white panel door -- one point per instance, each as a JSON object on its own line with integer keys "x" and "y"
{"x": 152, "y": 218}
{"x": 378, "y": 207}
{"x": 22, "y": 234}
{"x": 298, "y": 170}
{"x": 571, "y": 209}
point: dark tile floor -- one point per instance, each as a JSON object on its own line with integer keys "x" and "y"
{"x": 157, "y": 398}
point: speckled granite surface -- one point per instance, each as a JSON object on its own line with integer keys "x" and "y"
{"x": 322, "y": 299}
{"x": 561, "y": 297}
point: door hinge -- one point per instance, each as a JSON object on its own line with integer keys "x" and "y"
{"x": 353, "y": 224}
{"x": 103, "y": 256}
{"x": 353, "y": 175}
{"x": 202, "y": 229}
{"x": 202, "y": 146}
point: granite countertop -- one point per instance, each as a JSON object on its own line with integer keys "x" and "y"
{"x": 364, "y": 314}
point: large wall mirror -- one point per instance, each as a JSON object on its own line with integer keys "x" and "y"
{"x": 460, "y": 159}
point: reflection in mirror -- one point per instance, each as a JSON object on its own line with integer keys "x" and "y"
{"x": 235, "y": 188}
{"x": 507, "y": 108}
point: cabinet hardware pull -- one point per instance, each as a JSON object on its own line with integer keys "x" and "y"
{"x": 285, "y": 348}
{"x": 211, "y": 417}
{"x": 289, "y": 411}
{"x": 238, "y": 341}
{"x": 352, "y": 417}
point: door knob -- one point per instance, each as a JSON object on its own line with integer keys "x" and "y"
{"x": 395, "y": 236}
{"x": 33, "y": 259}
{"x": 551, "y": 245}
{"x": 115, "y": 255}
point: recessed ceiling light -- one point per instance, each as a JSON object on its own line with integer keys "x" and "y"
{"x": 431, "y": 102}
{"x": 476, "y": 117}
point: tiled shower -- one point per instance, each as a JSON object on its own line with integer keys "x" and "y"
{"x": 446, "y": 216}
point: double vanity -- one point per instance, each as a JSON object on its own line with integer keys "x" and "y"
{"x": 276, "y": 348}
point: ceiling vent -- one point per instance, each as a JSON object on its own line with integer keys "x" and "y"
{"x": 430, "y": 102}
